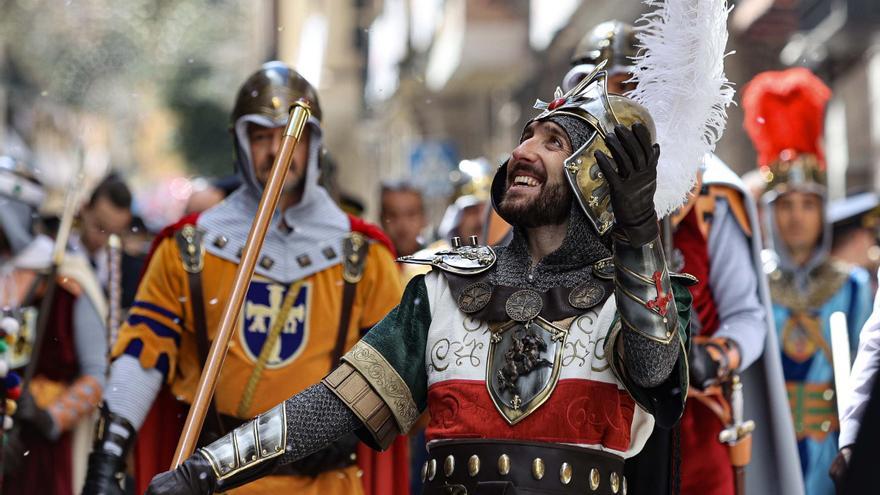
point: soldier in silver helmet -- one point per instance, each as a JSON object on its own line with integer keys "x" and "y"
{"x": 321, "y": 277}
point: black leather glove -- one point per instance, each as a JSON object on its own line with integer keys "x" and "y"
{"x": 631, "y": 172}
{"x": 840, "y": 466}
{"x": 35, "y": 417}
{"x": 711, "y": 360}
{"x": 194, "y": 477}
{"x": 105, "y": 474}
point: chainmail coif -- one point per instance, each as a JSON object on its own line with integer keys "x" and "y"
{"x": 315, "y": 418}
{"x": 568, "y": 266}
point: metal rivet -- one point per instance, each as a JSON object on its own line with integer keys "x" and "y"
{"x": 254, "y": 457}
{"x": 474, "y": 465}
{"x": 594, "y": 479}
{"x": 828, "y": 394}
{"x": 503, "y": 465}
{"x": 825, "y": 426}
{"x": 538, "y": 468}
{"x": 432, "y": 469}
{"x": 615, "y": 482}
{"x": 448, "y": 465}
{"x": 623, "y": 488}
{"x": 424, "y": 471}
{"x": 265, "y": 452}
{"x": 565, "y": 473}
{"x": 220, "y": 242}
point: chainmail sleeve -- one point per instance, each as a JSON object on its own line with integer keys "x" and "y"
{"x": 315, "y": 418}
{"x": 649, "y": 363}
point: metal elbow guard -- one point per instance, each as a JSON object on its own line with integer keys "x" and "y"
{"x": 643, "y": 291}
{"x": 250, "y": 451}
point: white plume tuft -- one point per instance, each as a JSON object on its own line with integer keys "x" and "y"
{"x": 681, "y": 81}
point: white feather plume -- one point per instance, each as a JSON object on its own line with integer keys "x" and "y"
{"x": 681, "y": 81}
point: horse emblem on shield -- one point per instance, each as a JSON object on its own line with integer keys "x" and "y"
{"x": 525, "y": 360}
{"x": 262, "y": 307}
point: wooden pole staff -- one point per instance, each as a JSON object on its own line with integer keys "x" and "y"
{"x": 299, "y": 114}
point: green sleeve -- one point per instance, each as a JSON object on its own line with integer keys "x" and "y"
{"x": 401, "y": 337}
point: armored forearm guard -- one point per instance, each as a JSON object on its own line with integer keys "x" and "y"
{"x": 643, "y": 290}
{"x": 250, "y": 451}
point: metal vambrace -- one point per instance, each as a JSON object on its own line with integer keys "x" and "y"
{"x": 643, "y": 291}
{"x": 249, "y": 452}
{"x": 114, "y": 437}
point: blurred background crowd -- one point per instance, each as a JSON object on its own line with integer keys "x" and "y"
{"x": 421, "y": 99}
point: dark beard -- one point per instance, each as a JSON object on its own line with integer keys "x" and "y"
{"x": 552, "y": 207}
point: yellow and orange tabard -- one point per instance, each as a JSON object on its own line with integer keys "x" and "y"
{"x": 160, "y": 333}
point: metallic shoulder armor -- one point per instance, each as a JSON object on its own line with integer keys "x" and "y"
{"x": 458, "y": 259}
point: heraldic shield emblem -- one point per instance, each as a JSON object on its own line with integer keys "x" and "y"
{"x": 525, "y": 360}
{"x": 265, "y": 301}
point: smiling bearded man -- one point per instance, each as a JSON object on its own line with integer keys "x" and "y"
{"x": 544, "y": 364}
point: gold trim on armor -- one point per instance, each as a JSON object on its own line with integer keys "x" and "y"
{"x": 386, "y": 381}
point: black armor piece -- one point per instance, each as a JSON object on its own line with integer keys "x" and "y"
{"x": 114, "y": 437}
{"x": 647, "y": 311}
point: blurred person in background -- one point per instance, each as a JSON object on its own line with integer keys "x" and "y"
{"x": 107, "y": 212}
{"x": 855, "y": 231}
{"x": 715, "y": 237}
{"x": 322, "y": 277}
{"x": 403, "y": 216}
{"x": 784, "y": 117}
{"x": 55, "y": 331}
{"x": 204, "y": 195}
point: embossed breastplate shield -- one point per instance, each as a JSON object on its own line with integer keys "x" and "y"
{"x": 525, "y": 360}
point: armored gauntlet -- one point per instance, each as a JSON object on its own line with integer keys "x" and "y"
{"x": 114, "y": 437}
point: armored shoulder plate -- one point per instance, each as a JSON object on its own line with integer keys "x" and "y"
{"x": 460, "y": 260}
{"x": 191, "y": 247}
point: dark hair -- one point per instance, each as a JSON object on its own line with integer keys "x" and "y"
{"x": 115, "y": 190}
{"x": 401, "y": 186}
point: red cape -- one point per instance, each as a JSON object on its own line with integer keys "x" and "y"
{"x": 384, "y": 472}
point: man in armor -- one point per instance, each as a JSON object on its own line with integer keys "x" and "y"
{"x": 715, "y": 237}
{"x": 784, "y": 117}
{"x": 321, "y": 280}
{"x": 544, "y": 363}
{"x": 58, "y": 342}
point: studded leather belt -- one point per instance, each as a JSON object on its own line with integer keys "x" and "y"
{"x": 487, "y": 467}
